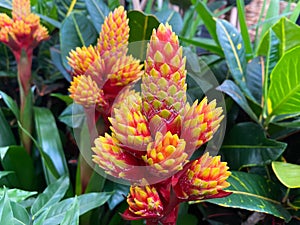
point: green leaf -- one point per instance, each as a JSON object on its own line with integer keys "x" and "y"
{"x": 233, "y": 47}
{"x": 76, "y": 31}
{"x": 231, "y": 89}
{"x": 17, "y": 195}
{"x": 98, "y": 10}
{"x": 205, "y": 43}
{"x": 6, "y": 214}
{"x": 119, "y": 191}
{"x": 16, "y": 159}
{"x": 207, "y": 18}
{"x": 66, "y": 98}
{"x": 58, "y": 63}
{"x": 21, "y": 215}
{"x": 284, "y": 92}
{"x": 72, "y": 215}
{"x": 287, "y": 173}
{"x": 11, "y": 104}
{"x": 6, "y": 134}
{"x": 86, "y": 202}
{"x": 65, "y": 7}
{"x": 48, "y": 137}
{"x": 254, "y": 193}
{"x": 51, "y": 195}
{"x": 254, "y": 78}
{"x": 5, "y": 173}
{"x": 171, "y": 17}
{"x": 295, "y": 13}
{"x": 141, "y": 27}
{"x": 246, "y": 145}
{"x": 271, "y": 16}
{"x": 244, "y": 28}
{"x": 73, "y": 116}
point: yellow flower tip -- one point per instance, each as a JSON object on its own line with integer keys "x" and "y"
{"x": 5, "y": 20}
{"x": 20, "y": 9}
{"x": 85, "y": 91}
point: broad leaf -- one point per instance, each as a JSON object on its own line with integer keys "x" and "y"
{"x": 17, "y": 195}
{"x": 5, "y": 173}
{"x": 16, "y": 159}
{"x": 86, "y": 202}
{"x": 6, "y": 214}
{"x": 171, "y": 17}
{"x": 72, "y": 215}
{"x": 65, "y": 7}
{"x": 51, "y": 195}
{"x": 284, "y": 92}
{"x": 73, "y": 116}
{"x": 231, "y": 89}
{"x": 58, "y": 62}
{"x": 98, "y": 10}
{"x": 254, "y": 78}
{"x": 48, "y": 137}
{"x": 76, "y": 31}
{"x": 233, "y": 47}
{"x": 6, "y": 135}
{"x": 254, "y": 193}
{"x": 119, "y": 191}
{"x": 21, "y": 215}
{"x": 271, "y": 16}
{"x": 246, "y": 145}
{"x": 11, "y": 104}
{"x": 287, "y": 173}
{"x": 141, "y": 27}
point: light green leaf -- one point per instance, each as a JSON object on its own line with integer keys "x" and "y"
{"x": 6, "y": 214}
{"x": 284, "y": 92}
{"x": 98, "y": 10}
{"x": 66, "y": 98}
{"x": 246, "y": 145}
{"x": 231, "y": 89}
{"x": 73, "y": 116}
{"x": 51, "y": 195}
{"x": 295, "y": 13}
{"x": 72, "y": 214}
{"x": 21, "y": 216}
{"x": 17, "y": 195}
{"x": 287, "y": 173}
{"x": 254, "y": 193}
{"x": 49, "y": 139}
{"x": 271, "y": 16}
{"x": 233, "y": 47}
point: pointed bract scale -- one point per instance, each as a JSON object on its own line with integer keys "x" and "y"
{"x": 200, "y": 123}
{"x": 165, "y": 155}
{"x": 205, "y": 178}
{"x": 110, "y": 157}
{"x": 85, "y": 91}
{"x": 20, "y": 9}
{"x": 144, "y": 202}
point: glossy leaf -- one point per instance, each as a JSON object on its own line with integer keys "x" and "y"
{"x": 76, "y": 31}
{"x": 16, "y": 159}
{"x": 119, "y": 191}
{"x": 72, "y": 215}
{"x": 254, "y": 193}
{"x": 6, "y": 215}
{"x": 65, "y": 7}
{"x": 254, "y": 78}
{"x": 171, "y": 17}
{"x": 231, "y": 89}
{"x": 17, "y": 195}
{"x": 287, "y": 173}
{"x": 65, "y": 98}
{"x": 246, "y": 145}
{"x": 98, "y": 10}
{"x": 11, "y": 104}
{"x": 86, "y": 202}
{"x": 51, "y": 195}
{"x": 21, "y": 216}
{"x": 5, "y": 173}
{"x": 6, "y": 134}
{"x": 73, "y": 116}
{"x": 284, "y": 92}
{"x": 233, "y": 47}
{"x": 58, "y": 62}
{"x": 49, "y": 139}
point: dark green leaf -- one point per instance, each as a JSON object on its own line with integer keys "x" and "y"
{"x": 51, "y": 195}
{"x": 76, "y": 31}
{"x": 246, "y": 145}
{"x": 6, "y": 214}
{"x": 16, "y": 159}
{"x": 231, "y": 89}
{"x": 21, "y": 215}
{"x": 48, "y": 137}
{"x": 119, "y": 191}
{"x": 11, "y": 104}
{"x": 207, "y": 18}
{"x": 286, "y": 173}
{"x": 171, "y": 17}
{"x": 73, "y": 116}
{"x": 57, "y": 61}
{"x": 17, "y": 195}
{"x": 254, "y": 193}
{"x": 284, "y": 92}
{"x": 5, "y": 173}
{"x": 72, "y": 215}
{"x": 86, "y": 202}
{"x": 98, "y": 10}
{"x": 141, "y": 27}
{"x": 66, "y": 98}
{"x": 254, "y": 78}
{"x": 65, "y": 7}
{"x": 233, "y": 47}
{"x": 6, "y": 135}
